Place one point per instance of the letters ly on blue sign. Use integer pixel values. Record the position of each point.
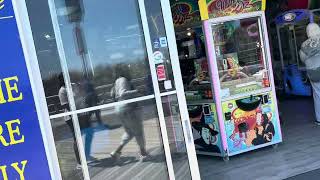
(22, 152)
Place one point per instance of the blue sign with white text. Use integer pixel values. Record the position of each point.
(22, 152)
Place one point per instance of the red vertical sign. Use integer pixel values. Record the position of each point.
(161, 72)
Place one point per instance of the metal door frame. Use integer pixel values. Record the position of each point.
(173, 51)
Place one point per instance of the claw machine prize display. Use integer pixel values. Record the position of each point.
(245, 112)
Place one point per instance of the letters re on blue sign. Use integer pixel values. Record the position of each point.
(22, 152)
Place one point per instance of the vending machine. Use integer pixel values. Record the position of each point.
(243, 113)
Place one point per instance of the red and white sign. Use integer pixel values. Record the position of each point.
(161, 72)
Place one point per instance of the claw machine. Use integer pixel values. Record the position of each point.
(243, 114)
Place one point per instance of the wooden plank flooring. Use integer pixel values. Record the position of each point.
(128, 166)
(299, 153)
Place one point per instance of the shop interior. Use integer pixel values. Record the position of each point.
(298, 151)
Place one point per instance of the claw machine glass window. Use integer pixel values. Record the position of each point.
(239, 55)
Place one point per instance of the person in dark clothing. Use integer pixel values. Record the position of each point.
(92, 99)
(83, 118)
(66, 108)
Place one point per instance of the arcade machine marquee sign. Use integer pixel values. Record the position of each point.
(220, 8)
(22, 152)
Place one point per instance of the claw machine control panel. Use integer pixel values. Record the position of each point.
(244, 99)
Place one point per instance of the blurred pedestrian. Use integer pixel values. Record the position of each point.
(63, 97)
(127, 113)
(310, 55)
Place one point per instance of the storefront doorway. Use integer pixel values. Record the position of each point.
(111, 76)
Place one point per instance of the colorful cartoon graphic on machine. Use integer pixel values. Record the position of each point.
(184, 12)
(205, 128)
(218, 8)
(250, 122)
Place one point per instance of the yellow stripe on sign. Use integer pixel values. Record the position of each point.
(203, 9)
(264, 5)
(1, 4)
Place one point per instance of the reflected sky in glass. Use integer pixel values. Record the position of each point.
(112, 32)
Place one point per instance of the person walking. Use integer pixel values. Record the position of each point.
(83, 118)
(91, 98)
(64, 102)
(127, 113)
(310, 55)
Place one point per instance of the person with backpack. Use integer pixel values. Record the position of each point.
(310, 55)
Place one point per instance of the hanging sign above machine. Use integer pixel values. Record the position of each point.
(185, 12)
(219, 8)
(293, 16)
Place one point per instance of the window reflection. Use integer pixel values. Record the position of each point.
(95, 46)
(67, 149)
(132, 148)
(107, 62)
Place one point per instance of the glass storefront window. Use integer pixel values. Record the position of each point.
(95, 48)
(100, 94)
(67, 148)
(131, 145)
